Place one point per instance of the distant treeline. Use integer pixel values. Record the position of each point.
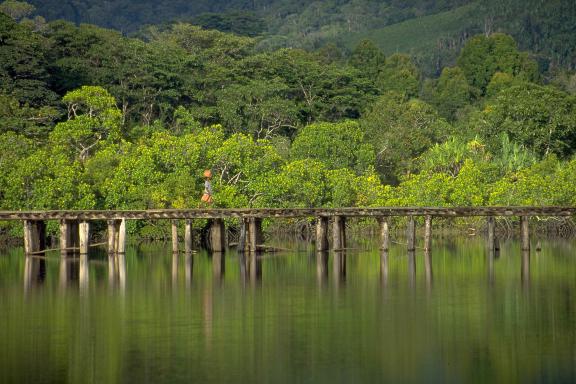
(431, 30)
(90, 119)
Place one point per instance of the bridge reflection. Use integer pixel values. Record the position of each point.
(78, 271)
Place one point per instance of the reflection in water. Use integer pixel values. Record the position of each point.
(117, 271)
(428, 267)
(83, 274)
(322, 267)
(34, 271)
(243, 267)
(182, 335)
(188, 268)
(384, 266)
(339, 267)
(412, 268)
(255, 266)
(490, 262)
(174, 269)
(218, 266)
(525, 265)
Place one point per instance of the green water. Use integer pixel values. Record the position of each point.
(291, 318)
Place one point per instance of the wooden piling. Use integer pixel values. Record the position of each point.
(255, 234)
(111, 237)
(121, 249)
(428, 250)
(64, 238)
(384, 234)
(217, 235)
(34, 236)
(525, 233)
(491, 226)
(411, 234)
(84, 234)
(322, 234)
(69, 237)
(174, 236)
(428, 234)
(339, 233)
(188, 239)
(242, 243)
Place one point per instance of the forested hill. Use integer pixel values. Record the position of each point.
(431, 30)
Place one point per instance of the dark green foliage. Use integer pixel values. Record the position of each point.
(483, 56)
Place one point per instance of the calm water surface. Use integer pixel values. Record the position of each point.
(291, 317)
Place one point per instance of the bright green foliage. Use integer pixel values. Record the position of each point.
(299, 184)
(423, 189)
(542, 119)
(449, 157)
(47, 179)
(483, 56)
(242, 167)
(399, 75)
(92, 117)
(536, 185)
(337, 145)
(472, 185)
(400, 131)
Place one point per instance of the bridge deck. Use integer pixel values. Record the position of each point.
(218, 213)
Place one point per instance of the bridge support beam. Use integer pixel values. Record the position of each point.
(174, 236)
(525, 233)
(34, 236)
(255, 234)
(84, 235)
(217, 235)
(428, 248)
(491, 236)
(384, 234)
(188, 237)
(69, 237)
(321, 234)
(111, 236)
(339, 233)
(411, 234)
(121, 228)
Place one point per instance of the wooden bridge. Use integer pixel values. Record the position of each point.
(75, 225)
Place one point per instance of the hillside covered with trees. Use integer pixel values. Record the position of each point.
(92, 119)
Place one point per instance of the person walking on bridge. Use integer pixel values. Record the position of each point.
(207, 195)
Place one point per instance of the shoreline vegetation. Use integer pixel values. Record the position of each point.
(91, 119)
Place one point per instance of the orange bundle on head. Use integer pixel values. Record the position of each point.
(207, 173)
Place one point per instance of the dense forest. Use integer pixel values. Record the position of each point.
(93, 119)
(431, 31)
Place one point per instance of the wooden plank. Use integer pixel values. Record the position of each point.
(287, 213)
